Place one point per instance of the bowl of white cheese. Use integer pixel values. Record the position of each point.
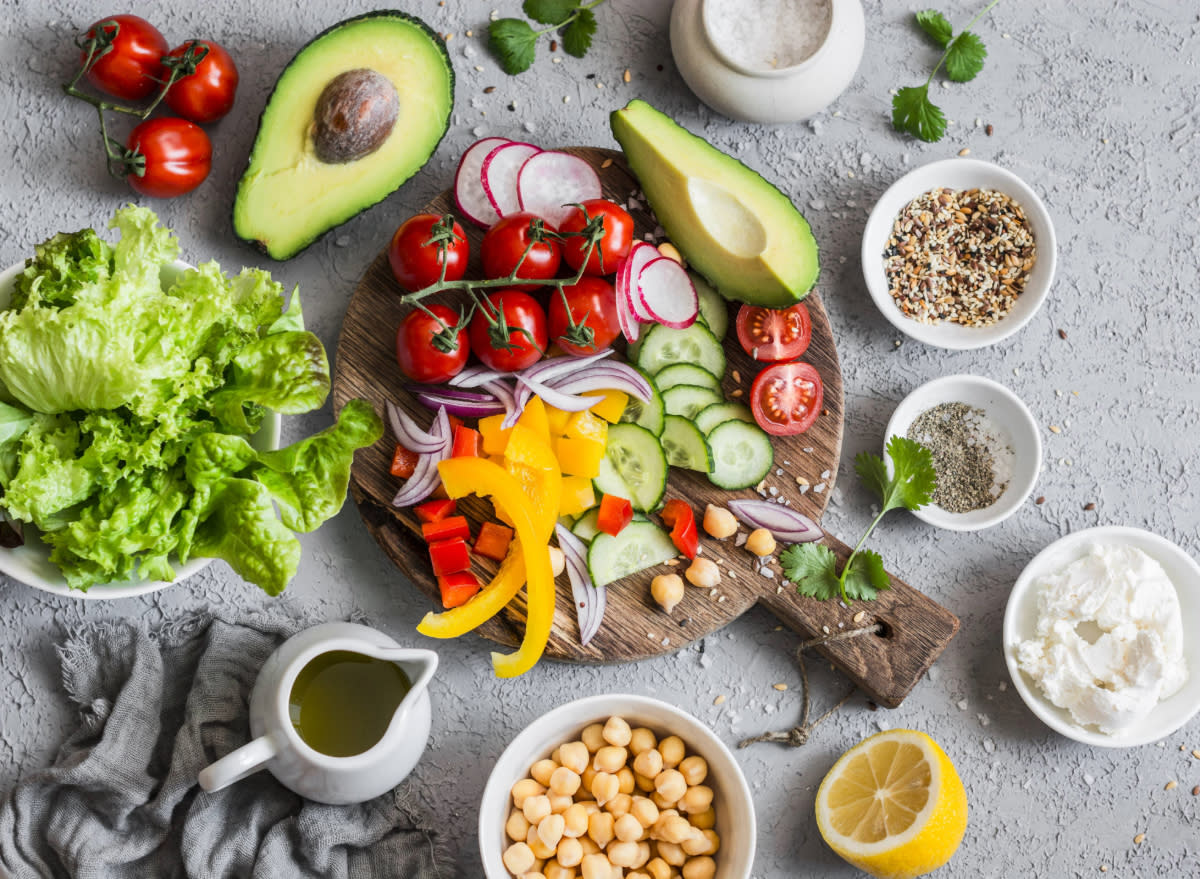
(1102, 636)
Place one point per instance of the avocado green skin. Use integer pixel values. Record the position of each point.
(378, 13)
(729, 278)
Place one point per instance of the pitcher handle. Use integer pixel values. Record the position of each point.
(236, 765)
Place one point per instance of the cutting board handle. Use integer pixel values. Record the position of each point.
(887, 665)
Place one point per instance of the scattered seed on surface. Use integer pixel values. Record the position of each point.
(800, 480)
(737, 377)
(1171, 785)
(858, 617)
(489, 89)
(607, 163)
(965, 151)
(1196, 791)
(736, 392)
(1196, 754)
(1139, 839)
(720, 700)
(672, 562)
(566, 99)
(627, 76)
(1041, 500)
(1054, 428)
(781, 687)
(1089, 507)
(988, 129)
(1062, 334)
(554, 45)
(448, 37)
(825, 629)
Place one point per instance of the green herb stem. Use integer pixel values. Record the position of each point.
(583, 7)
(946, 53)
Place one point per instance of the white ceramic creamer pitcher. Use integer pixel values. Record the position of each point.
(278, 747)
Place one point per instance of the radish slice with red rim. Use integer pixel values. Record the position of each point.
(626, 319)
(667, 293)
(551, 183)
(499, 173)
(640, 256)
(469, 196)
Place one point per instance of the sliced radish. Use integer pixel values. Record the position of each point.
(472, 201)
(498, 175)
(626, 319)
(667, 293)
(551, 183)
(640, 256)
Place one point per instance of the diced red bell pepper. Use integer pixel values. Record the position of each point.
(436, 510)
(685, 536)
(404, 462)
(466, 443)
(455, 423)
(673, 509)
(449, 556)
(446, 529)
(493, 541)
(615, 514)
(458, 588)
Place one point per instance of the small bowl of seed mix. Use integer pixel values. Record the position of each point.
(959, 254)
(985, 446)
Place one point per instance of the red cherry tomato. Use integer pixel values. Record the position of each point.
(507, 240)
(176, 156)
(420, 357)
(774, 334)
(611, 249)
(523, 339)
(414, 253)
(592, 303)
(786, 398)
(206, 94)
(131, 67)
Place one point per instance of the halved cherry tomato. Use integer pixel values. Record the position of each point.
(449, 556)
(420, 339)
(458, 588)
(786, 398)
(415, 254)
(172, 156)
(774, 334)
(404, 462)
(466, 443)
(615, 514)
(446, 529)
(436, 510)
(508, 330)
(493, 540)
(592, 304)
(506, 241)
(206, 94)
(609, 250)
(131, 68)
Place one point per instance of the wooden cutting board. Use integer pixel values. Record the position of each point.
(886, 666)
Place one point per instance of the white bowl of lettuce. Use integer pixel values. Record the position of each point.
(139, 418)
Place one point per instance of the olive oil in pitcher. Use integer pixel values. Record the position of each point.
(342, 702)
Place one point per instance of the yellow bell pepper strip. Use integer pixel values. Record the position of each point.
(578, 496)
(486, 604)
(556, 419)
(532, 462)
(579, 457)
(611, 407)
(585, 425)
(534, 418)
(463, 476)
(495, 436)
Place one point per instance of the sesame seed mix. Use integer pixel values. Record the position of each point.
(959, 255)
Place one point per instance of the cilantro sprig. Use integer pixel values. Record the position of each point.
(514, 41)
(963, 56)
(813, 566)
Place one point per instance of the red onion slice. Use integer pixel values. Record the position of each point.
(552, 183)
(406, 431)
(667, 293)
(551, 368)
(499, 175)
(469, 196)
(476, 376)
(590, 600)
(461, 408)
(425, 476)
(558, 399)
(607, 377)
(783, 522)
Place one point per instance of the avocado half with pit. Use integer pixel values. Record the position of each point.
(358, 111)
(736, 229)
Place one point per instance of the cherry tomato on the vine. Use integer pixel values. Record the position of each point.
(505, 242)
(432, 348)
(508, 330)
(593, 305)
(175, 157)
(415, 256)
(611, 249)
(774, 334)
(787, 397)
(206, 94)
(131, 67)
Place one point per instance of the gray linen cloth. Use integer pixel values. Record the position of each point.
(121, 799)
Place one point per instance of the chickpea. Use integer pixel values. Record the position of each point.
(644, 852)
(667, 590)
(589, 846)
(629, 829)
(619, 805)
(617, 731)
(636, 874)
(697, 844)
(590, 806)
(536, 874)
(719, 522)
(645, 783)
(575, 821)
(539, 848)
(558, 562)
(644, 811)
(518, 858)
(670, 784)
(641, 739)
(658, 869)
(600, 828)
(672, 854)
(541, 771)
(714, 841)
(605, 786)
(550, 830)
(706, 820)
(622, 854)
(700, 868)
(648, 763)
(662, 802)
(675, 828)
(536, 808)
(694, 769)
(517, 826)
(593, 737)
(760, 542)
(596, 866)
(569, 852)
(627, 782)
(524, 789)
(574, 756)
(703, 572)
(585, 786)
(559, 803)
(696, 799)
(557, 871)
(610, 758)
(672, 750)
(564, 781)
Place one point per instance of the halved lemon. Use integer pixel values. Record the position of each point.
(893, 805)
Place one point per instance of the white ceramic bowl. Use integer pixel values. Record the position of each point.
(30, 564)
(959, 174)
(732, 800)
(1020, 624)
(1009, 415)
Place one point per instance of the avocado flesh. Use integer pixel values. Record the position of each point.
(287, 197)
(732, 226)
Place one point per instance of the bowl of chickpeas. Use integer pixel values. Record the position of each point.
(617, 787)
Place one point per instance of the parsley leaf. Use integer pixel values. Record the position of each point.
(935, 25)
(813, 568)
(964, 58)
(577, 36)
(550, 11)
(865, 576)
(914, 113)
(514, 43)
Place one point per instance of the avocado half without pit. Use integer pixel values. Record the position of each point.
(355, 114)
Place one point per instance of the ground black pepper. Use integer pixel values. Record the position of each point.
(956, 436)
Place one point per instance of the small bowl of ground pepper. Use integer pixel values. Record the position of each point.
(985, 446)
(959, 253)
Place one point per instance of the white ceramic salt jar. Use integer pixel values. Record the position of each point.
(767, 61)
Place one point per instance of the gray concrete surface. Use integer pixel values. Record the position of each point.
(1094, 104)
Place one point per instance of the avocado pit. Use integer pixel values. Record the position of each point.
(355, 114)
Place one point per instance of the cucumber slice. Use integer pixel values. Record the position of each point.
(637, 457)
(686, 374)
(609, 481)
(640, 545)
(708, 418)
(648, 415)
(685, 446)
(714, 309)
(742, 455)
(696, 345)
(586, 528)
(688, 400)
